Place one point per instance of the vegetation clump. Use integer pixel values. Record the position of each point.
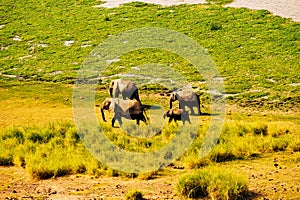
(134, 195)
(213, 182)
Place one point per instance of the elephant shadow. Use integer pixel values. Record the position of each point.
(153, 107)
(206, 114)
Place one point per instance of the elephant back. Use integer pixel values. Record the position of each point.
(186, 95)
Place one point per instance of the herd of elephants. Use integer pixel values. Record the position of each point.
(130, 106)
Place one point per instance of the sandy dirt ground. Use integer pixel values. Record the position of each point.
(283, 8)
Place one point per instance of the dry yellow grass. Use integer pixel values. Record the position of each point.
(23, 112)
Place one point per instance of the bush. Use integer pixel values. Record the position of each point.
(214, 182)
(260, 129)
(6, 160)
(193, 185)
(14, 133)
(134, 195)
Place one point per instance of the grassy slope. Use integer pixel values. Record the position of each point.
(257, 53)
(252, 49)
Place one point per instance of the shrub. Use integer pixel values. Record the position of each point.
(295, 144)
(134, 195)
(6, 160)
(222, 152)
(14, 133)
(193, 185)
(214, 182)
(35, 137)
(148, 175)
(260, 129)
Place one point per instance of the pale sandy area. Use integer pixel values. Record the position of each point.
(283, 8)
(116, 3)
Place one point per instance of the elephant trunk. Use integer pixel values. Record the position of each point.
(102, 112)
(171, 103)
(111, 92)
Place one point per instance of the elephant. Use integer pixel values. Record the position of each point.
(186, 98)
(127, 89)
(177, 114)
(129, 109)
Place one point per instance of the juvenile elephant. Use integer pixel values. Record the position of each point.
(186, 98)
(177, 114)
(127, 89)
(129, 109)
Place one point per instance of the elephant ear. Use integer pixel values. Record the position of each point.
(112, 106)
(135, 107)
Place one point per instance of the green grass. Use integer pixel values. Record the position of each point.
(253, 50)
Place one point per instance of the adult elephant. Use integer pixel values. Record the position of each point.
(129, 109)
(186, 98)
(127, 89)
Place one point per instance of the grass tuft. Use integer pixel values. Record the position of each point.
(214, 182)
(134, 195)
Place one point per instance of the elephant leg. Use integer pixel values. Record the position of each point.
(192, 110)
(182, 106)
(120, 121)
(199, 111)
(175, 120)
(113, 121)
(136, 96)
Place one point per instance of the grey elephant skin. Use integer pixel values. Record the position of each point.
(186, 98)
(177, 115)
(129, 109)
(127, 89)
